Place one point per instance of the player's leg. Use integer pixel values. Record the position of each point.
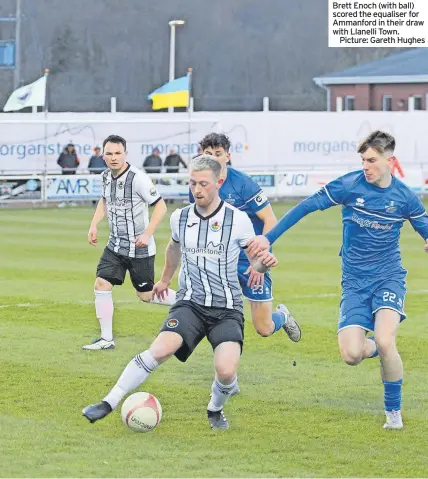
(226, 335)
(388, 310)
(354, 346)
(142, 273)
(355, 320)
(264, 320)
(261, 316)
(179, 335)
(110, 271)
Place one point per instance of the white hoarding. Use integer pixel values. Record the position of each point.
(260, 140)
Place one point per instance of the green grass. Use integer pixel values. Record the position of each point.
(320, 418)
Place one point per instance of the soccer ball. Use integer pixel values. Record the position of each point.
(141, 412)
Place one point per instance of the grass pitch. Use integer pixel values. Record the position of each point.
(320, 418)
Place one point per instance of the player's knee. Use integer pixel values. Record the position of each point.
(264, 330)
(165, 345)
(385, 345)
(225, 374)
(146, 297)
(102, 285)
(352, 357)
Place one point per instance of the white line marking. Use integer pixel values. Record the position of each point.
(130, 301)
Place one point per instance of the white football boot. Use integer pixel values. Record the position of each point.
(100, 344)
(393, 420)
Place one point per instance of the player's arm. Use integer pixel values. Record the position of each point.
(257, 204)
(418, 218)
(331, 195)
(159, 211)
(172, 259)
(265, 260)
(268, 217)
(99, 214)
(149, 193)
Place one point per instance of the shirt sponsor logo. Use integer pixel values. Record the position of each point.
(210, 251)
(369, 223)
(121, 202)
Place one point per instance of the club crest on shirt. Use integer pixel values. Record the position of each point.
(359, 202)
(229, 199)
(390, 207)
(120, 185)
(215, 226)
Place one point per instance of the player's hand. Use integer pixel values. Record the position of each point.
(426, 246)
(255, 279)
(92, 236)
(160, 289)
(267, 259)
(257, 245)
(142, 240)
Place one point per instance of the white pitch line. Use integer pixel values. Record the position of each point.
(37, 305)
(126, 301)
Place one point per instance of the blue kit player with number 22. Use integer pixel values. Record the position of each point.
(240, 191)
(374, 207)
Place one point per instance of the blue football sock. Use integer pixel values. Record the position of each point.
(376, 353)
(392, 395)
(279, 320)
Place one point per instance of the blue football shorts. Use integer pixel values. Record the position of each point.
(363, 297)
(258, 293)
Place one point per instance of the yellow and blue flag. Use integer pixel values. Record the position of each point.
(173, 93)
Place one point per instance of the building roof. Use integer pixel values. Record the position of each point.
(410, 66)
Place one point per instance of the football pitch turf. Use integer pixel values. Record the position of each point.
(319, 418)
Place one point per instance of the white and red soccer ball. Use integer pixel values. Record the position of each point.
(141, 412)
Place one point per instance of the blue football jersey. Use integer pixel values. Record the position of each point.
(242, 192)
(372, 219)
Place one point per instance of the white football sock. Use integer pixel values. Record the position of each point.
(104, 309)
(220, 393)
(135, 373)
(169, 298)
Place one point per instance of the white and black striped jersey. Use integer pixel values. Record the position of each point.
(210, 248)
(127, 199)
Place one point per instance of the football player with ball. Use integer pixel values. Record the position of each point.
(208, 237)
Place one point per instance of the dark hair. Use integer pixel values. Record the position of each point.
(115, 139)
(379, 141)
(215, 140)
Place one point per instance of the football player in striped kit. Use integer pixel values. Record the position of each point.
(127, 193)
(207, 236)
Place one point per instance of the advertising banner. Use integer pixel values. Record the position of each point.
(20, 188)
(259, 140)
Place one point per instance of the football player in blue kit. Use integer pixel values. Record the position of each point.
(374, 207)
(243, 193)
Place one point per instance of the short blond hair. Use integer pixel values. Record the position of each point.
(206, 162)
